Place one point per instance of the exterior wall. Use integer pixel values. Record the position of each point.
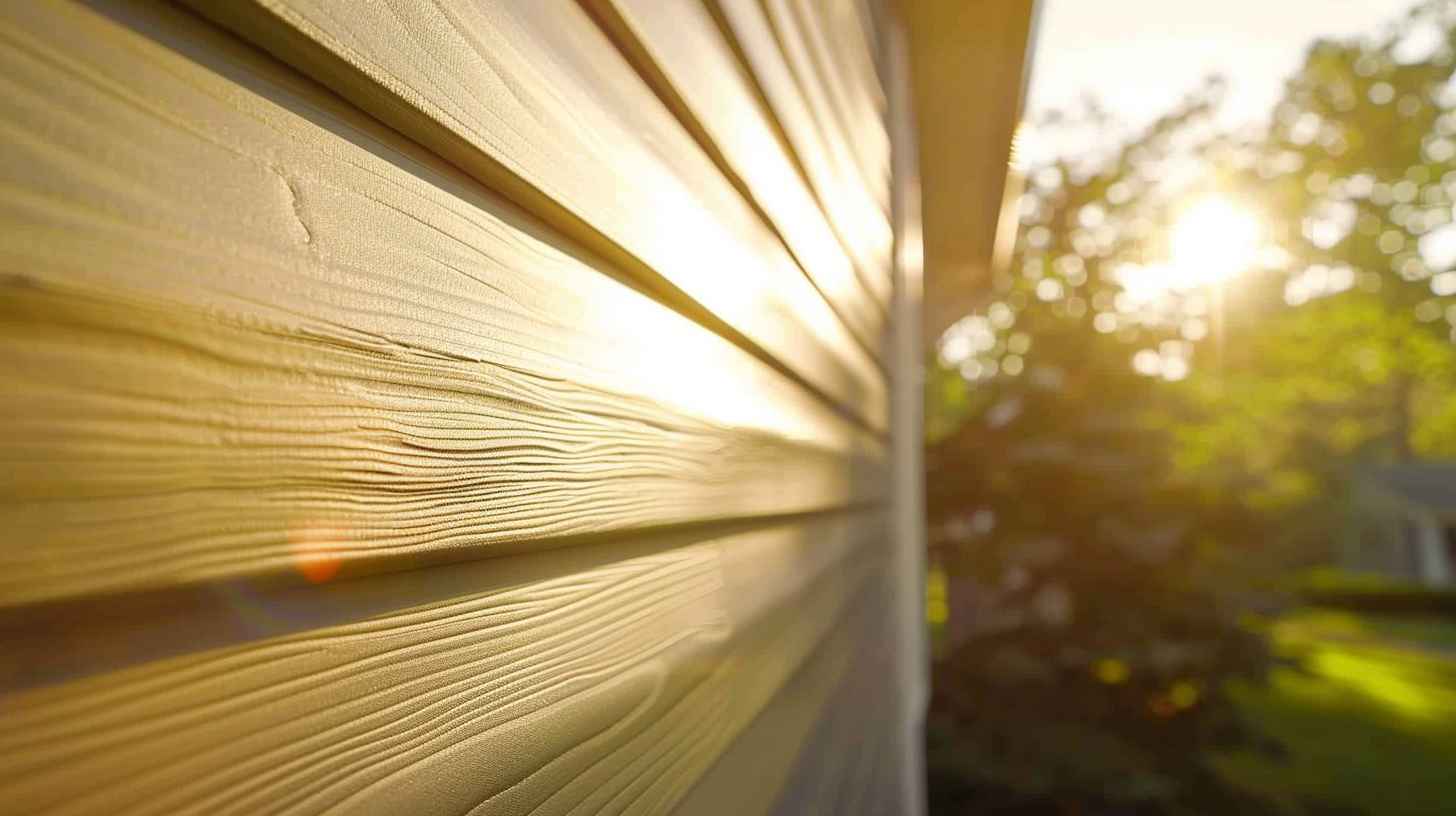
(1431, 555)
(1376, 534)
(484, 407)
(1387, 535)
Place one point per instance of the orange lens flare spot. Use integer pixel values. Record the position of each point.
(1162, 706)
(317, 551)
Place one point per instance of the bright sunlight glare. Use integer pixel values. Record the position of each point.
(1212, 242)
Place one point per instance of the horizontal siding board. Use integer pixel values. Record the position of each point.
(848, 59)
(79, 637)
(609, 690)
(857, 211)
(682, 47)
(852, 23)
(248, 332)
(851, 101)
(820, 745)
(848, 765)
(801, 36)
(536, 101)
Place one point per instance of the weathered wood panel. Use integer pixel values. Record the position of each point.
(535, 100)
(248, 331)
(681, 50)
(858, 211)
(610, 690)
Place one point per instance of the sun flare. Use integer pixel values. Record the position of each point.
(1212, 242)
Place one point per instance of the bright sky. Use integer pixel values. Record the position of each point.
(1141, 56)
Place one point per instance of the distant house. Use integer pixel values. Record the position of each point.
(1403, 523)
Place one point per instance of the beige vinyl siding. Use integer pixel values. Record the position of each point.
(858, 213)
(608, 690)
(377, 359)
(697, 68)
(840, 97)
(535, 100)
(441, 408)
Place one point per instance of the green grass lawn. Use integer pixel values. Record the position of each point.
(1369, 721)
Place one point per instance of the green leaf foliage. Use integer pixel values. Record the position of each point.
(1118, 479)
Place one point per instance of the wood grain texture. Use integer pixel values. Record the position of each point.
(533, 99)
(498, 457)
(682, 53)
(249, 332)
(610, 690)
(46, 644)
(857, 208)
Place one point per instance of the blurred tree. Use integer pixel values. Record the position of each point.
(1118, 456)
(1095, 675)
(1354, 361)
